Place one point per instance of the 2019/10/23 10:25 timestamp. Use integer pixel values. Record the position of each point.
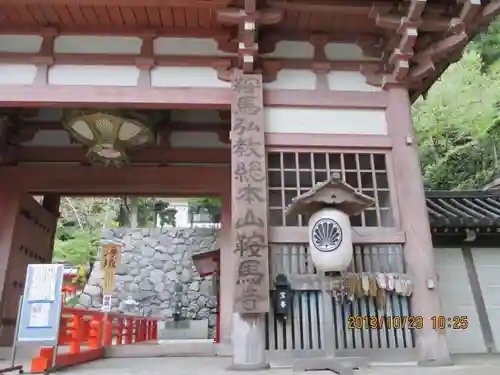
(407, 322)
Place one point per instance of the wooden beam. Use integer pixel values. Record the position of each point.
(470, 10)
(130, 180)
(390, 22)
(172, 126)
(134, 31)
(215, 33)
(177, 98)
(89, 96)
(491, 10)
(153, 155)
(354, 7)
(124, 3)
(416, 9)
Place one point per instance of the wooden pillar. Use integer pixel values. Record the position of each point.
(249, 222)
(51, 203)
(5, 126)
(418, 249)
(10, 203)
(226, 286)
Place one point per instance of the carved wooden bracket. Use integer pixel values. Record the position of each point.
(46, 53)
(319, 42)
(223, 136)
(45, 57)
(146, 58)
(490, 11)
(268, 69)
(372, 47)
(234, 16)
(224, 70)
(248, 19)
(225, 115)
(469, 10)
(402, 67)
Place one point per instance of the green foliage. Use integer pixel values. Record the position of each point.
(144, 212)
(80, 249)
(72, 301)
(458, 125)
(165, 213)
(488, 44)
(210, 205)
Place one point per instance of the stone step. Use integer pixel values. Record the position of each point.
(164, 348)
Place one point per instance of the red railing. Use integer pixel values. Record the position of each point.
(84, 334)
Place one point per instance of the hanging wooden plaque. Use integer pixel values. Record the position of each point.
(249, 195)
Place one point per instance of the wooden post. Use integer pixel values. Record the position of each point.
(418, 249)
(9, 257)
(249, 222)
(129, 331)
(119, 329)
(5, 126)
(51, 203)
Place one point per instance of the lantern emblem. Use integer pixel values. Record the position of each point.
(327, 235)
(329, 205)
(109, 134)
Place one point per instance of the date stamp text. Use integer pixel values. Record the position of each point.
(439, 322)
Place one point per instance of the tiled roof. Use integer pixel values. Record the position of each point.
(469, 209)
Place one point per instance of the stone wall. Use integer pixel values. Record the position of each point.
(154, 262)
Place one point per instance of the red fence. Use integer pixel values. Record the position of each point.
(84, 334)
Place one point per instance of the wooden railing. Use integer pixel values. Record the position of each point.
(84, 334)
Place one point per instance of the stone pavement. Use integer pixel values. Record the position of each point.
(480, 364)
(464, 365)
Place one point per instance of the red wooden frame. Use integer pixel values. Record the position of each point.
(178, 98)
(180, 181)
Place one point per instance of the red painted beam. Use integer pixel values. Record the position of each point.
(89, 96)
(178, 98)
(123, 3)
(155, 154)
(180, 181)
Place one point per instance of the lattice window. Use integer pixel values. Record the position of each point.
(294, 173)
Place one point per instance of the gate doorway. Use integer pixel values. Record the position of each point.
(188, 157)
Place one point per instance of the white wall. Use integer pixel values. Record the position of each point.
(457, 300)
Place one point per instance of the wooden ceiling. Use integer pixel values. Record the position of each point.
(298, 15)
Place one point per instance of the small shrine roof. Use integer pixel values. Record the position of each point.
(332, 192)
(463, 209)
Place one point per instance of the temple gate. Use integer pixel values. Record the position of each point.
(252, 96)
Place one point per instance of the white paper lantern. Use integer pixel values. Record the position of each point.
(330, 240)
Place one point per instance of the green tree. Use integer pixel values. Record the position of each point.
(144, 213)
(80, 249)
(79, 227)
(488, 44)
(457, 126)
(212, 206)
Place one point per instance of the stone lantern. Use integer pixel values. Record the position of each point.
(328, 206)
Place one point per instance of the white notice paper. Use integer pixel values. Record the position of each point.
(43, 283)
(106, 303)
(39, 315)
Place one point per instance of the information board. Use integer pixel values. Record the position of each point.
(41, 305)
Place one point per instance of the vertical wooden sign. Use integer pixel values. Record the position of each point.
(249, 195)
(110, 259)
